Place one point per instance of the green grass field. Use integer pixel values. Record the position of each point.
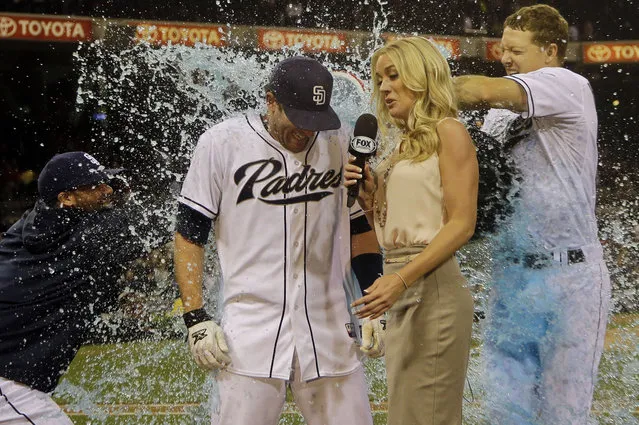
(157, 383)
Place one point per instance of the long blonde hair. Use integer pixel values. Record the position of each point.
(424, 71)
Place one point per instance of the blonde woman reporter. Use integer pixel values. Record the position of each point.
(422, 201)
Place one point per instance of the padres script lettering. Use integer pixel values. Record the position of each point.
(265, 171)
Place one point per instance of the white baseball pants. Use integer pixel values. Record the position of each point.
(246, 400)
(544, 340)
(21, 405)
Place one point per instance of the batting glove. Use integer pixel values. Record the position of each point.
(206, 341)
(373, 333)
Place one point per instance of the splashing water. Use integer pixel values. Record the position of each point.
(159, 100)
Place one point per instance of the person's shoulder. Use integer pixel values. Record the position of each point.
(557, 72)
(452, 132)
(229, 125)
(449, 125)
(228, 131)
(562, 79)
(571, 75)
(238, 122)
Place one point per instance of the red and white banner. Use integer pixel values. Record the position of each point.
(188, 35)
(493, 50)
(611, 52)
(276, 39)
(451, 46)
(33, 27)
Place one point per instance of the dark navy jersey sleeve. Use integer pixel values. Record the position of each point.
(54, 284)
(110, 237)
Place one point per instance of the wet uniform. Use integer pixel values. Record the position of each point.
(58, 272)
(551, 293)
(282, 233)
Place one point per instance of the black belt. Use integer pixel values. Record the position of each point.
(540, 260)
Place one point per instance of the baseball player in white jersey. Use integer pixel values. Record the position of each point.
(273, 186)
(551, 289)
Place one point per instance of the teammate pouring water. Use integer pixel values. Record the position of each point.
(58, 270)
(551, 292)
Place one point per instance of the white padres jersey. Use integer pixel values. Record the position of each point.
(282, 231)
(556, 154)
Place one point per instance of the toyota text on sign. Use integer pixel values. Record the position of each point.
(611, 52)
(310, 41)
(46, 29)
(176, 34)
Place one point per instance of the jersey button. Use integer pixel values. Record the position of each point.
(296, 210)
(295, 276)
(296, 244)
(297, 163)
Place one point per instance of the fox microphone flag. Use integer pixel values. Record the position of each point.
(362, 145)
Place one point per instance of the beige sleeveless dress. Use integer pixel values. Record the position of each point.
(429, 326)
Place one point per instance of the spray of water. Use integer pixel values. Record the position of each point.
(159, 100)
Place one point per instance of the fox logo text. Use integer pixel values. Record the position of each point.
(363, 145)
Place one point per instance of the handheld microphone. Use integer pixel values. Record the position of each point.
(362, 145)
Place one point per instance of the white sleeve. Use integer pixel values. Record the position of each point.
(551, 92)
(497, 122)
(202, 186)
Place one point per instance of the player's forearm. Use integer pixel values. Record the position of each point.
(470, 91)
(189, 271)
(477, 91)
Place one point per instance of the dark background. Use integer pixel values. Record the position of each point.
(592, 20)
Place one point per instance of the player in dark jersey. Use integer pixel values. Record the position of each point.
(58, 269)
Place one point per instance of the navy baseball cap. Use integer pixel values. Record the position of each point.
(303, 87)
(70, 170)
